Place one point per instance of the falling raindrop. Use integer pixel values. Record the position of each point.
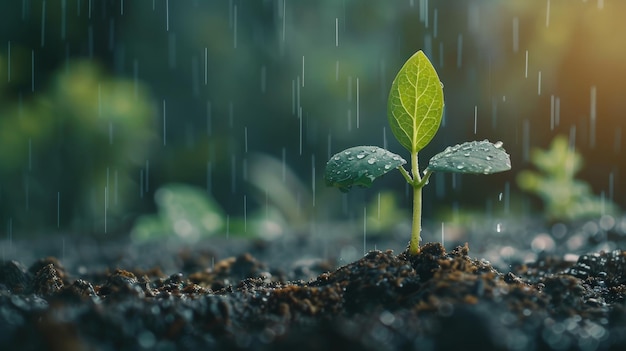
(167, 14)
(443, 235)
(435, 23)
(284, 164)
(313, 177)
(592, 118)
(300, 130)
(526, 66)
(539, 83)
(115, 188)
(357, 103)
(106, 193)
(336, 31)
(283, 16)
(235, 27)
(43, 22)
(548, 14)
(164, 125)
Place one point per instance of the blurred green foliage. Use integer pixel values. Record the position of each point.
(67, 152)
(185, 211)
(189, 214)
(384, 213)
(564, 197)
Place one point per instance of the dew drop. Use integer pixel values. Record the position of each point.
(371, 161)
(488, 158)
(498, 144)
(347, 152)
(460, 166)
(466, 154)
(360, 156)
(387, 166)
(337, 158)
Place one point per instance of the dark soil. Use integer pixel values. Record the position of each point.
(436, 300)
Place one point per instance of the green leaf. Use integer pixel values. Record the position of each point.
(360, 165)
(476, 157)
(415, 104)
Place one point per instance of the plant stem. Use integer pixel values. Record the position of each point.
(416, 229)
(414, 246)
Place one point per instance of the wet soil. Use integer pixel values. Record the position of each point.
(436, 300)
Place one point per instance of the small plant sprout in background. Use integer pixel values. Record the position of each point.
(564, 197)
(414, 109)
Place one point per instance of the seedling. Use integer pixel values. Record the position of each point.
(414, 110)
(564, 196)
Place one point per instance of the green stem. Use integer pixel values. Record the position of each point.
(406, 176)
(414, 246)
(417, 184)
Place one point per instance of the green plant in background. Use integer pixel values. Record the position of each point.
(384, 213)
(564, 197)
(414, 110)
(184, 211)
(69, 153)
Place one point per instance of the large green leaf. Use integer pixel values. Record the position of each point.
(415, 104)
(360, 165)
(476, 157)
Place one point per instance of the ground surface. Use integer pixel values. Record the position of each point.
(245, 295)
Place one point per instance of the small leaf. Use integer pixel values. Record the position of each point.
(476, 157)
(415, 104)
(360, 165)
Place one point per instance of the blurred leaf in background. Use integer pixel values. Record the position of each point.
(184, 211)
(564, 197)
(66, 154)
(384, 213)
